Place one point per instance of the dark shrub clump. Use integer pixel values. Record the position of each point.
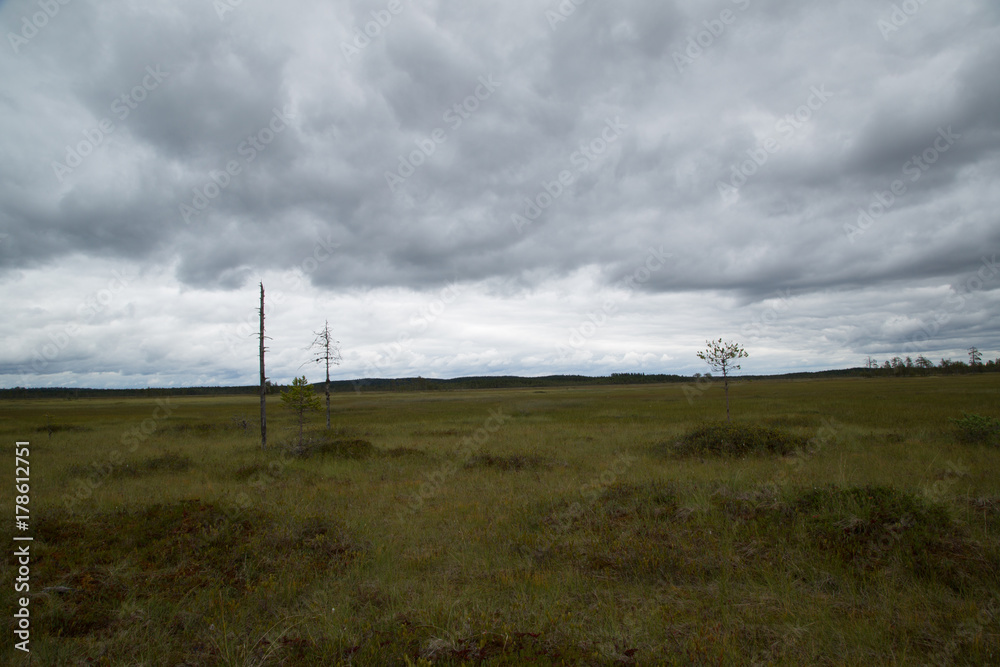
(728, 439)
(340, 449)
(976, 429)
(513, 462)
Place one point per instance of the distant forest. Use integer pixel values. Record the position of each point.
(900, 369)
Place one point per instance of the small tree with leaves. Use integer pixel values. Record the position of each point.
(327, 352)
(722, 356)
(301, 398)
(975, 357)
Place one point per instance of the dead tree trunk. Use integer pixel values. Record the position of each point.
(327, 389)
(326, 331)
(329, 353)
(263, 377)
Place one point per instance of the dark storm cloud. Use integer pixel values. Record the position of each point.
(513, 147)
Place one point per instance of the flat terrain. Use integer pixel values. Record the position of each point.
(552, 526)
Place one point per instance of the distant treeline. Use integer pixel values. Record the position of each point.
(362, 385)
(923, 366)
(498, 382)
(485, 382)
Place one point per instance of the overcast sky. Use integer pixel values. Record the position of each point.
(527, 187)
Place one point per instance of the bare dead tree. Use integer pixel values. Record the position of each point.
(263, 377)
(328, 352)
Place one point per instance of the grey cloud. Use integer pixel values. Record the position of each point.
(657, 184)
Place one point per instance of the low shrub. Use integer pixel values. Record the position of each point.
(163, 553)
(876, 528)
(506, 463)
(255, 469)
(195, 428)
(664, 531)
(733, 439)
(398, 452)
(976, 429)
(341, 449)
(168, 462)
(59, 428)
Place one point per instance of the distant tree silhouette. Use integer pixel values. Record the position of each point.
(924, 364)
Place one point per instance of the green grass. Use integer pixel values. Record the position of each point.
(837, 521)
(978, 429)
(728, 439)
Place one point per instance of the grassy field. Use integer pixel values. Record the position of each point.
(557, 526)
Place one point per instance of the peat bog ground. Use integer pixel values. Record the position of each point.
(835, 521)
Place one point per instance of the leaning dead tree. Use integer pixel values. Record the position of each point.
(328, 352)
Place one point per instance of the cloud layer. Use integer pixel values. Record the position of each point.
(520, 188)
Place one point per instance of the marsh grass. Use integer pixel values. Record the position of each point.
(733, 439)
(339, 444)
(357, 448)
(168, 462)
(875, 545)
(508, 462)
(60, 428)
(977, 429)
(656, 532)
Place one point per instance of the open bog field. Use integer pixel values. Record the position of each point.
(556, 526)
